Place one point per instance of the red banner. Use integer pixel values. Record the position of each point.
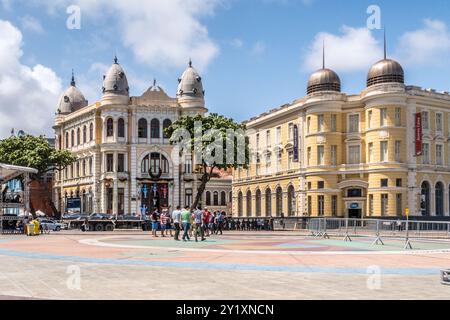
(419, 150)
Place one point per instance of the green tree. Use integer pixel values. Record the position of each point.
(35, 152)
(216, 142)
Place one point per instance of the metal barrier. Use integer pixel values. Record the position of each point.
(349, 228)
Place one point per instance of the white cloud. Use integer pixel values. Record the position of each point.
(32, 24)
(354, 50)
(28, 95)
(163, 34)
(429, 45)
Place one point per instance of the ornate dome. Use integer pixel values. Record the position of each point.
(385, 71)
(72, 99)
(190, 84)
(324, 80)
(115, 81)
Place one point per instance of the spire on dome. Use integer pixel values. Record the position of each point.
(73, 83)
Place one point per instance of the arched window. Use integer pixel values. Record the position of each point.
(291, 201)
(216, 198)
(84, 134)
(67, 140)
(249, 203)
(439, 193)
(258, 203)
(72, 138)
(240, 204)
(90, 166)
(78, 136)
(279, 203)
(84, 168)
(91, 132)
(121, 128)
(153, 162)
(223, 198)
(208, 198)
(154, 129)
(142, 128)
(425, 199)
(109, 127)
(166, 124)
(268, 203)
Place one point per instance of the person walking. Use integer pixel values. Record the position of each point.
(220, 217)
(176, 218)
(155, 222)
(163, 223)
(206, 217)
(185, 221)
(198, 221)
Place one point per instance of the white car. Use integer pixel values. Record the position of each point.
(53, 225)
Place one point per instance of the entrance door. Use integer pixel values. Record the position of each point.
(155, 195)
(355, 213)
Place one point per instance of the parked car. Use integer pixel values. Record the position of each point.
(53, 225)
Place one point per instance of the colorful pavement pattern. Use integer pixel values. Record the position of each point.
(236, 265)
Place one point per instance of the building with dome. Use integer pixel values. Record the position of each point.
(125, 162)
(371, 154)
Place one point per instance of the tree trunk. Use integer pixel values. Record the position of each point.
(201, 189)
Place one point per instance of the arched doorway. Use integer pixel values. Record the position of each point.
(291, 201)
(439, 197)
(258, 203)
(240, 206)
(249, 203)
(279, 202)
(425, 199)
(268, 203)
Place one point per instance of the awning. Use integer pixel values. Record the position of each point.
(8, 172)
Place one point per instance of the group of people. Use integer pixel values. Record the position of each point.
(196, 223)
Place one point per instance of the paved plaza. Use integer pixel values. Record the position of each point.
(238, 265)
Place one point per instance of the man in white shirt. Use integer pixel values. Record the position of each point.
(176, 216)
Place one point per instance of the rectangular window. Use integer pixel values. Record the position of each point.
(188, 164)
(308, 125)
(398, 150)
(370, 152)
(399, 205)
(279, 160)
(109, 200)
(291, 131)
(257, 141)
(369, 119)
(320, 155)
(398, 117)
(370, 204)
(383, 151)
(121, 201)
(109, 162)
(268, 142)
(425, 121)
(426, 153)
(334, 207)
(308, 155)
(383, 117)
(320, 185)
(258, 164)
(320, 125)
(333, 123)
(354, 154)
(309, 185)
(333, 155)
(278, 136)
(188, 197)
(398, 183)
(384, 183)
(290, 160)
(439, 155)
(439, 122)
(353, 123)
(268, 163)
(321, 205)
(120, 162)
(309, 206)
(384, 204)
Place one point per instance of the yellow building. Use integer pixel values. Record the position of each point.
(356, 153)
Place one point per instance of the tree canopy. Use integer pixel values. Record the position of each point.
(34, 152)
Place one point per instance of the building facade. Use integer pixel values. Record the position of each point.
(333, 154)
(126, 164)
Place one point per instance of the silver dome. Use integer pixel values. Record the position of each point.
(324, 80)
(72, 99)
(115, 80)
(385, 71)
(190, 84)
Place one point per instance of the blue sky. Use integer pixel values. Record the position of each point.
(254, 55)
